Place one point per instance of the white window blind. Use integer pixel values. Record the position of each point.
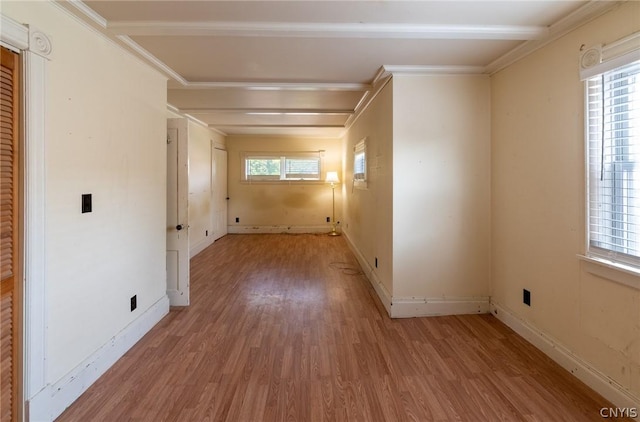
(302, 168)
(360, 164)
(613, 138)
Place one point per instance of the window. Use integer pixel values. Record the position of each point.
(360, 164)
(282, 166)
(613, 143)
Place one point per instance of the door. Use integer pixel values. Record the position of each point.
(219, 183)
(177, 212)
(10, 239)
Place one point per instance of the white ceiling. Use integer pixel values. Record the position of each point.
(306, 67)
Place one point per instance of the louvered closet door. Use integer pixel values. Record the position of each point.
(9, 235)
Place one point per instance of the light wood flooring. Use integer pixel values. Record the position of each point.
(286, 328)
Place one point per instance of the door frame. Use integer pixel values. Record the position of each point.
(34, 47)
(215, 155)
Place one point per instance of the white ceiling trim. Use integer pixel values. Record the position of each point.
(433, 70)
(87, 12)
(328, 30)
(262, 125)
(158, 64)
(270, 111)
(279, 86)
(584, 14)
(195, 120)
(380, 81)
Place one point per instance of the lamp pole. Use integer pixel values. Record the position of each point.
(332, 177)
(333, 215)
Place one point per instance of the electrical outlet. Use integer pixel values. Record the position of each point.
(237, 219)
(134, 302)
(526, 297)
(328, 219)
(206, 232)
(86, 203)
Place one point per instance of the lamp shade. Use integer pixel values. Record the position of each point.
(332, 177)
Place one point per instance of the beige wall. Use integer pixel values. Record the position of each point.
(279, 207)
(106, 135)
(368, 212)
(538, 206)
(441, 186)
(202, 141)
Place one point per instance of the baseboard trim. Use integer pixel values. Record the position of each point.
(200, 246)
(417, 306)
(421, 307)
(277, 229)
(370, 274)
(596, 380)
(52, 400)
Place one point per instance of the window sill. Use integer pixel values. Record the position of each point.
(613, 271)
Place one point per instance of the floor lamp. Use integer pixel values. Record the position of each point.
(332, 177)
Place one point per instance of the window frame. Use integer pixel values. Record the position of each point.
(282, 157)
(591, 74)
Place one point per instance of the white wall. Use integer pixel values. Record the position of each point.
(105, 135)
(538, 203)
(202, 141)
(280, 207)
(368, 212)
(441, 186)
(425, 215)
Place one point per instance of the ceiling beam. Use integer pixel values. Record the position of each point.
(269, 111)
(262, 125)
(329, 30)
(279, 86)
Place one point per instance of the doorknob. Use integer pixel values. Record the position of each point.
(179, 227)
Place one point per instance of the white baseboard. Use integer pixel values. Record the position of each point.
(52, 400)
(277, 229)
(370, 274)
(200, 246)
(420, 307)
(596, 380)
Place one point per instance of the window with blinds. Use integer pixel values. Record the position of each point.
(360, 164)
(284, 167)
(613, 142)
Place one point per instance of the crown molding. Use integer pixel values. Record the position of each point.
(85, 16)
(94, 18)
(150, 58)
(328, 30)
(381, 79)
(386, 72)
(584, 14)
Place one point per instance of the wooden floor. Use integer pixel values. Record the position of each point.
(286, 328)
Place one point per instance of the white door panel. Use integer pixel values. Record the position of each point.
(177, 213)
